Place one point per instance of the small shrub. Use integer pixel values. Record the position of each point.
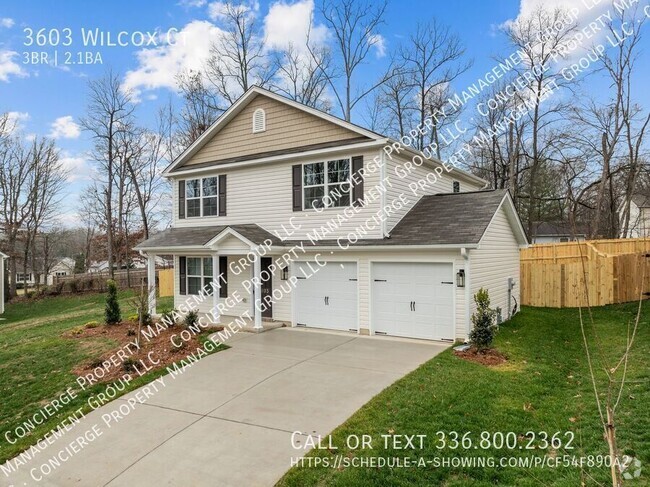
(167, 317)
(29, 294)
(146, 318)
(133, 318)
(482, 333)
(130, 332)
(128, 365)
(91, 324)
(191, 318)
(112, 311)
(177, 347)
(77, 330)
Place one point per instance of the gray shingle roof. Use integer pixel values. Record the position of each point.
(199, 236)
(441, 219)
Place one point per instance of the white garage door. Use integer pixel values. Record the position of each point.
(326, 297)
(413, 300)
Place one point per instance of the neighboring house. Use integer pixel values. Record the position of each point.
(549, 232)
(98, 267)
(639, 216)
(3, 258)
(63, 267)
(27, 278)
(161, 262)
(271, 174)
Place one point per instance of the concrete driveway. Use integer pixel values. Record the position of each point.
(228, 419)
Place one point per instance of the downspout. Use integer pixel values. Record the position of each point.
(382, 199)
(468, 289)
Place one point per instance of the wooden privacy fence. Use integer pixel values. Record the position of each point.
(96, 281)
(615, 271)
(166, 282)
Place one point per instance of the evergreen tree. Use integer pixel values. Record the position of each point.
(112, 312)
(482, 333)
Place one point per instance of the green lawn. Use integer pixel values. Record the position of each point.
(544, 387)
(35, 360)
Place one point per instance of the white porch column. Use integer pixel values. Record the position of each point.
(151, 282)
(257, 282)
(216, 288)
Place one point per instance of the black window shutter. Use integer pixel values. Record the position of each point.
(182, 272)
(223, 271)
(222, 195)
(181, 199)
(357, 181)
(297, 187)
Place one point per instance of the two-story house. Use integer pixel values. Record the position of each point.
(353, 232)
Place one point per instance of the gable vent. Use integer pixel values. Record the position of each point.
(259, 121)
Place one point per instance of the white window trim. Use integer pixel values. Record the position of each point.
(255, 129)
(202, 276)
(200, 197)
(326, 183)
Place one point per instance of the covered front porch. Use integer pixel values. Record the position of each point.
(228, 277)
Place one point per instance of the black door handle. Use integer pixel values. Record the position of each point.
(413, 305)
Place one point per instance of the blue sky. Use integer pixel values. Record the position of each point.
(41, 95)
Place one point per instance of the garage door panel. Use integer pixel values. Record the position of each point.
(327, 298)
(413, 299)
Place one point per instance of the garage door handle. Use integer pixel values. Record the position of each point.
(380, 280)
(446, 282)
(413, 305)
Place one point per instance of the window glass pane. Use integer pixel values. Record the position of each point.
(193, 266)
(194, 207)
(338, 171)
(313, 174)
(339, 194)
(210, 187)
(193, 285)
(207, 266)
(210, 206)
(192, 188)
(206, 285)
(314, 197)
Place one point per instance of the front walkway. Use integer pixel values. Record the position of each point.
(228, 420)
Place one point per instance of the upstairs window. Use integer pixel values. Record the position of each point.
(326, 184)
(259, 121)
(202, 197)
(456, 187)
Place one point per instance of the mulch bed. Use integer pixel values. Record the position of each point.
(489, 357)
(124, 333)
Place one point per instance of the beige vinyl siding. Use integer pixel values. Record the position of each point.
(262, 194)
(405, 180)
(496, 259)
(286, 128)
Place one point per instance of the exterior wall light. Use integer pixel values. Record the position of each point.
(285, 273)
(460, 278)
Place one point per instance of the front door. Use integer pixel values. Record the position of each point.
(267, 287)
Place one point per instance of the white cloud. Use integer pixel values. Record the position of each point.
(65, 127)
(288, 24)
(379, 43)
(9, 67)
(159, 66)
(16, 120)
(192, 3)
(77, 167)
(7, 22)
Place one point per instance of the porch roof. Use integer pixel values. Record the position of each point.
(198, 237)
